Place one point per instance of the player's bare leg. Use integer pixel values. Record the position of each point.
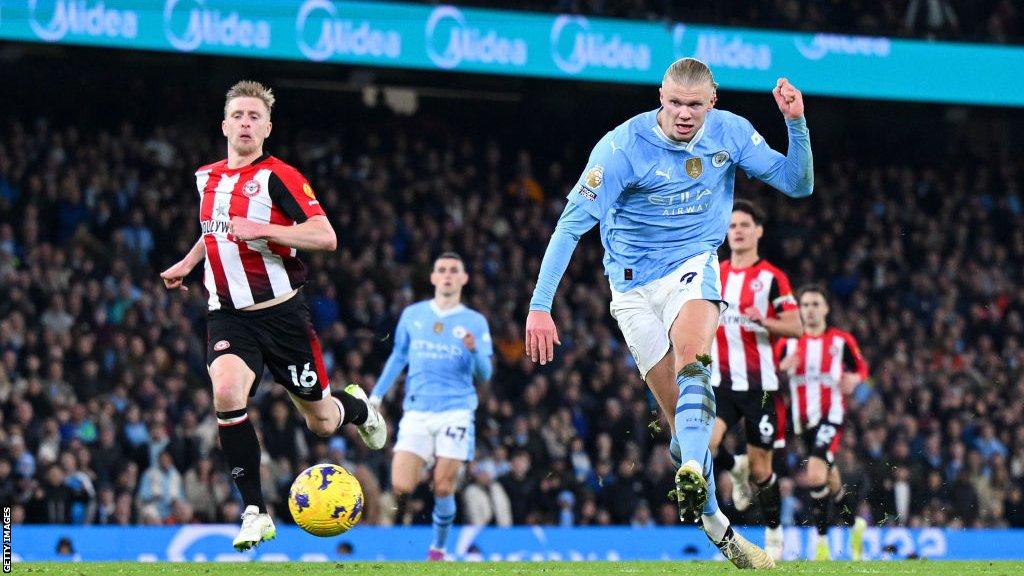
(717, 435)
(817, 479)
(694, 412)
(446, 476)
(323, 417)
(691, 335)
(661, 379)
(232, 379)
(326, 415)
(406, 472)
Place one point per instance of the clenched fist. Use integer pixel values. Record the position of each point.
(789, 99)
(244, 229)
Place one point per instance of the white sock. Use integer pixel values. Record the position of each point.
(341, 410)
(715, 525)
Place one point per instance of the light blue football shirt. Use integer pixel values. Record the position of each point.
(441, 369)
(660, 202)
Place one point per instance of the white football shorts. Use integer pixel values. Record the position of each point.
(645, 314)
(450, 434)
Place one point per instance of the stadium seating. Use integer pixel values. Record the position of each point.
(102, 370)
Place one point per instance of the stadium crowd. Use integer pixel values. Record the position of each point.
(997, 21)
(105, 411)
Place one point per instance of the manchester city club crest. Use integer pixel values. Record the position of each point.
(459, 332)
(719, 159)
(694, 167)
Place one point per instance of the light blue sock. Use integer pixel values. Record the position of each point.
(695, 411)
(695, 419)
(444, 515)
(711, 506)
(674, 453)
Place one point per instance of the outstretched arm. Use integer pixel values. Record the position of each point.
(855, 368)
(175, 275)
(572, 224)
(397, 361)
(480, 356)
(792, 174)
(292, 193)
(786, 325)
(541, 335)
(392, 368)
(609, 172)
(313, 234)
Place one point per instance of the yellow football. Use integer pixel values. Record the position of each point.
(325, 500)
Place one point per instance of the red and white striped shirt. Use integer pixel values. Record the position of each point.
(240, 274)
(814, 384)
(742, 350)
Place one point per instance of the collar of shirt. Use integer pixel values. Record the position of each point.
(673, 144)
(442, 313)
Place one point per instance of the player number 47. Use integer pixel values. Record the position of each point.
(455, 432)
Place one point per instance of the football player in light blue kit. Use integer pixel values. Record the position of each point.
(446, 347)
(661, 187)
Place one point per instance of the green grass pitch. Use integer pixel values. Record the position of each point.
(909, 568)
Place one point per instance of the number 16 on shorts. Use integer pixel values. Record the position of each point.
(306, 379)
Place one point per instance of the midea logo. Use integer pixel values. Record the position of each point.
(78, 17)
(724, 48)
(210, 27)
(467, 43)
(594, 50)
(822, 45)
(342, 36)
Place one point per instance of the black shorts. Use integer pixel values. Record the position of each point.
(281, 338)
(823, 440)
(756, 408)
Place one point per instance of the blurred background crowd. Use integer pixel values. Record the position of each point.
(916, 226)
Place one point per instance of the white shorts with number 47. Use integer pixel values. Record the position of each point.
(450, 434)
(645, 314)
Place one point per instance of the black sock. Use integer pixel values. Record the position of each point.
(845, 506)
(401, 507)
(780, 464)
(729, 534)
(724, 460)
(242, 450)
(819, 508)
(355, 409)
(770, 501)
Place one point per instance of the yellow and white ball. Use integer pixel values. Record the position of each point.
(326, 500)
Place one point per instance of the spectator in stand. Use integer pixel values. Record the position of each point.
(159, 487)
